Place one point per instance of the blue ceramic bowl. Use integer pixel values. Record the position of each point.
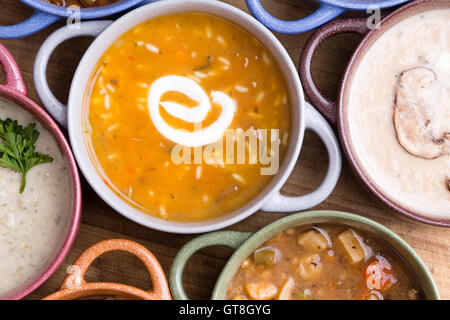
(327, 11)
(46, 13)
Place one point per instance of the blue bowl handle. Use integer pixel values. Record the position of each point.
(322, 15)
(38, 21)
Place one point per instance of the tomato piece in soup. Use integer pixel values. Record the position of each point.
(379, 274)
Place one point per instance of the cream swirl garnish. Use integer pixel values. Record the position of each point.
(193, 115)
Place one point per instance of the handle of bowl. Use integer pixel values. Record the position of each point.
(38, 21)
(56, 108)
(317, 123)
(75, 277)
(13, 76)
(231, 239)
(326, 106)
(322, 15)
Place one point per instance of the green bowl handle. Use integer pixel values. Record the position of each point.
(231, 239)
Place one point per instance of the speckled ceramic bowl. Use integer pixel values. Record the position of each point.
(336, 111)
(75, 287)
(14, 91)
(303, 115)
(246, 243)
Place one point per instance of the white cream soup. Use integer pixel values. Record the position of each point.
(32, 224)
(407, 163)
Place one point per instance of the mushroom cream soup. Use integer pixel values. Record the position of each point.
(399, 113)
(181, 113)
(32, 223)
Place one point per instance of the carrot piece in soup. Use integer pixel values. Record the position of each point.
(379, 274)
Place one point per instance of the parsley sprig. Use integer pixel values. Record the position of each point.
(17, 149)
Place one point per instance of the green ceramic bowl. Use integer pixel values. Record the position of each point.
(245, 243)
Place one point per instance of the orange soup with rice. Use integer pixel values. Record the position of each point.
(165, 94)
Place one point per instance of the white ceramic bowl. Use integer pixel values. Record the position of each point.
(303, 115)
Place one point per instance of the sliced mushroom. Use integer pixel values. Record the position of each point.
(416, 114)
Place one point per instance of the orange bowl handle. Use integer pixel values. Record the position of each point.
(75, 276)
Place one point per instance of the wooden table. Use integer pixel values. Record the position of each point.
(101, 222)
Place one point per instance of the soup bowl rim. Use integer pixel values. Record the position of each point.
(336, 111)
(20, 99)
(125, 23)
(375, 229)
(368, 41)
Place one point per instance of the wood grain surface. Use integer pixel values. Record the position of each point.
(101, 222)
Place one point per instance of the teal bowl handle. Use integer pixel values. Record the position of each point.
(231, 239)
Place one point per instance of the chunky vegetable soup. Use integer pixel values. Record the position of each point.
(324, 262)
(83, 3)
(164, 103)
